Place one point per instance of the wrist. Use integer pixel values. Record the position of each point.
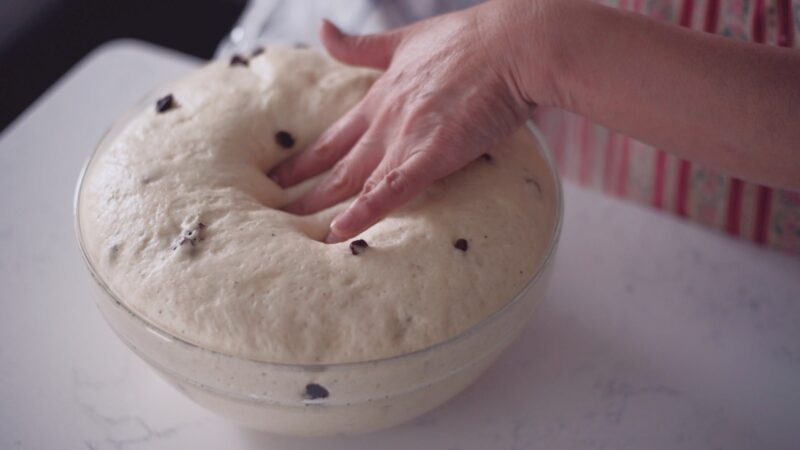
(539, 47)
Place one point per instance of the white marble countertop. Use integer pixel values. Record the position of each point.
(656, 333)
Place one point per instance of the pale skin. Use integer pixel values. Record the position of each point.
(457, 83)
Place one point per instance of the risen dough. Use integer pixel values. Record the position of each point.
(180, 221)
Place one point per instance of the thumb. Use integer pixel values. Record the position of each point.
(371, 50)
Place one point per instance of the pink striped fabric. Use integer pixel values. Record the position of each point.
(603, 159)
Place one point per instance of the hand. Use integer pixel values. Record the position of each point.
(449, 92)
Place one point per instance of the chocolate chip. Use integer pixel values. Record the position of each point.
(461, 244)
(300, 45)
(257, 51)
(486, 157)
(315, 391)
(358, 247)
(284, 139)
(165, 103)
(238, 60)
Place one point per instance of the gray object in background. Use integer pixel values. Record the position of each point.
(292, 22)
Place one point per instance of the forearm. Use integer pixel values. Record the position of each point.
(721, 102)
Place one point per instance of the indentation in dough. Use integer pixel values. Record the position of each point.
(532, 181)
(113, 252)
(149, 177)
(314, 227)
(397, 325)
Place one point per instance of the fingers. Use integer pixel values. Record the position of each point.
(322, 154)
(345, 180)
(394, 189)
(373, 50)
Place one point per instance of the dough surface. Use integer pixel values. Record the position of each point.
(179, 219)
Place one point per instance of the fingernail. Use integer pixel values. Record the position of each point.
(335, 223)
(333, 238)
(348, 222)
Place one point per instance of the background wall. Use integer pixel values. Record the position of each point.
(41, 39)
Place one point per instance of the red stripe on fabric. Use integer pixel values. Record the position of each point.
(785, 27)
(684, 167)
(736, 186)
(609, 159)
(759, 33)
(764, 194)
(622, 175)
(763, 205)
(733, 216)
(625, 149)
(785, 39)
(734, 206)
(658, 183)
(561, 136)
(586, 144)
(686, 13)
(712, 16)
(759, 30)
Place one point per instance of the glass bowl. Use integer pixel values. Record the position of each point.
(362, 396)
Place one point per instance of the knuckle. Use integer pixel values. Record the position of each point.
(397, 182)
(369, 185)
(370, 204)
(370, 142)
(392, 107)
(365, 42)
(341, 178)
(360, 42)
(445, 134)
(443, 154)
(397, 76)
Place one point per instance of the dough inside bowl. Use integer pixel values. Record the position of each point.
(180, 221)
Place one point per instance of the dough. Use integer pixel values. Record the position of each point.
(179, 219)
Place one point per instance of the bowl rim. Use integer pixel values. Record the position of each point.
(165, 335)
